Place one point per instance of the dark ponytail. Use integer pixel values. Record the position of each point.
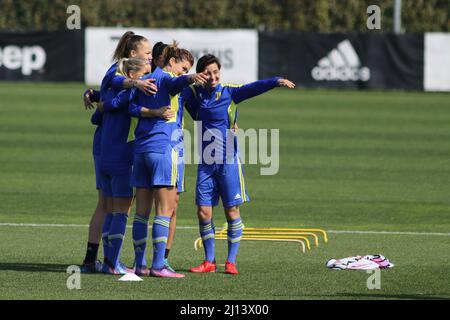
(157, 51)
(128, 42)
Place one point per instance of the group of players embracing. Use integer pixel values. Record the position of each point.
(138, 154)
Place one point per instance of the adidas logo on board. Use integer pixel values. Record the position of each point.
(341, 64)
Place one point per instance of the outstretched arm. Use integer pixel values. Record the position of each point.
(177, 84)
(256, 88)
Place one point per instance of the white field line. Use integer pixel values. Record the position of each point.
(48, 225)
(51, 225)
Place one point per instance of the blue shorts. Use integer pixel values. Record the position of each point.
(98, 184)
(116, 185)
(224, 180)
(152, 170)
(180, 177)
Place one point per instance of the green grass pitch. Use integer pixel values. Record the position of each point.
(361, 161)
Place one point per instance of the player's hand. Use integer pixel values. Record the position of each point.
(147, 86)
(199, 78)
(286, 83)
(166, 113)
(235, 128)
(87, 99)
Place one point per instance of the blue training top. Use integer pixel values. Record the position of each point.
(217, 110)
(155, 134)
(116, 152)
(96, 119)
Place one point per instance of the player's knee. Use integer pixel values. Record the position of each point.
(204, 214)
(232, 212)
(122, 205)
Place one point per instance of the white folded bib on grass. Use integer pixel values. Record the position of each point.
(368, 262)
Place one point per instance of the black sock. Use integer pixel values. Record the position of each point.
(166, 255)
(91, 253)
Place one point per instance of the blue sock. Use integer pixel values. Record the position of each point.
(140, 233)
(116, 236)
(160, 233)
(207, 230)
(234, 234)
(105, 233)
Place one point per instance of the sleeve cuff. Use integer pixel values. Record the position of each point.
(95, 96)
(136, 112)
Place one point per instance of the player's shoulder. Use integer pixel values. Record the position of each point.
(226, 89)
(147, 76)
(190, 91)
(112, 68)
(231, 85)
(114, 71)
(119, 74)
(158, 73)
(110, 73)
(168, 74)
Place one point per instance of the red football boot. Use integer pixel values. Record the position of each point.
(205, 267)
(230, 268)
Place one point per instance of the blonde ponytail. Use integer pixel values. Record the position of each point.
(126, 65)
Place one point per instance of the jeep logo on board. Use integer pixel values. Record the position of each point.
(27, 59)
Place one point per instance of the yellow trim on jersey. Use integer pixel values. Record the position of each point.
(174, 105)
(232, 113)
(170, 73)
(133, 125)
(232, 85)
(173, 179)
(241, 180)
(182, 183)
(182, 119)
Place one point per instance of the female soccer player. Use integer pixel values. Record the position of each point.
(140, 223)
(155, 162)
(90, 264)
(130, 45)
(159, 60)
(117, 159)
(220, 173)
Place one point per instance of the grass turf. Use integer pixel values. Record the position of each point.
(348, 161)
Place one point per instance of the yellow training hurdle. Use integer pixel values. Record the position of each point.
(296, 235)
